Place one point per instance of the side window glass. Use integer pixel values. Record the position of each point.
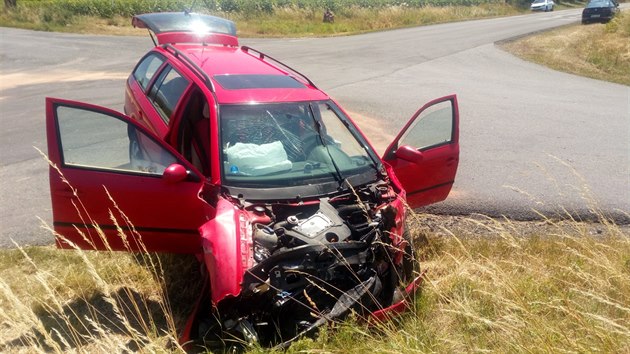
(167, 91)
(146, 69)
(99, 141)
(433, 127)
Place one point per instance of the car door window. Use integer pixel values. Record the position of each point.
(167, 91)
(433, 128)
(425, 154)
(94, 140)
(147, 68)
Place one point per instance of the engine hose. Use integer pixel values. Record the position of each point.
(345, 209)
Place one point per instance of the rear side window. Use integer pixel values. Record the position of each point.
(147, 68)
(167, 91)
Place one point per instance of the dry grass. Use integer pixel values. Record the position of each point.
(561, 286)
(60, 301)
(599, 51)
(77, 300)
(563, 291)
(491, 286)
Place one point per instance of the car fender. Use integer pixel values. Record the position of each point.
(227, 244)
(400, 204)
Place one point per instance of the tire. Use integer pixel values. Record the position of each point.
(407, 271)
(410, 265)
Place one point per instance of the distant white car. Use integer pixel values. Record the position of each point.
(542, 5)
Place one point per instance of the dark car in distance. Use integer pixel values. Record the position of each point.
(599, 11)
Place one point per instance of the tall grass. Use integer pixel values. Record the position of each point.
(110, 8)
(253, 17)
(55, 301)
(58, 301)
(489, 290)
(492, 285)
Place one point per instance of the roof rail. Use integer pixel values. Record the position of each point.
(266, 57)
(191, 65)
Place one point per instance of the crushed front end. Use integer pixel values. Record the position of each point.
(303, 264)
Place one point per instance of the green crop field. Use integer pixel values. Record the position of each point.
(110, 8)
(276, 18)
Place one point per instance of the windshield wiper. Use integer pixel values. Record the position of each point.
(318, 128)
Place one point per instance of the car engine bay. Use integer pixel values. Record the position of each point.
(313, 263)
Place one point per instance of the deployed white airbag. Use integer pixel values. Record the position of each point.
(257, 160)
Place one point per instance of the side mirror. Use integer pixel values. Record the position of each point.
(409, 153)
(175, 173)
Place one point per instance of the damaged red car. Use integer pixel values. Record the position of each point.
(226, 153)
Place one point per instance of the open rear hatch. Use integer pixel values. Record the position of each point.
(186, 27)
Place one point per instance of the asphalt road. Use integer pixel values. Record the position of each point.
(533, 141)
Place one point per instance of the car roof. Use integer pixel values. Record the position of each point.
(244, 75)
(208, 49)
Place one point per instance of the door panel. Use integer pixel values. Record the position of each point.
(425, 154)
(105, 197)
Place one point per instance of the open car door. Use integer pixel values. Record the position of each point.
(425, 154)
(110, 194)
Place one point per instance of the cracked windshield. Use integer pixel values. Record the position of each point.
(293, 144)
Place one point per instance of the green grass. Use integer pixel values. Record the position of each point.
(253, 18)
(293, 22)
(599, 51)
(492, 285)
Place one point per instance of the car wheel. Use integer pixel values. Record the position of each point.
(408, 270)
(410, 265)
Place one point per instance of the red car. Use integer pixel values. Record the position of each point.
(228, 154)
